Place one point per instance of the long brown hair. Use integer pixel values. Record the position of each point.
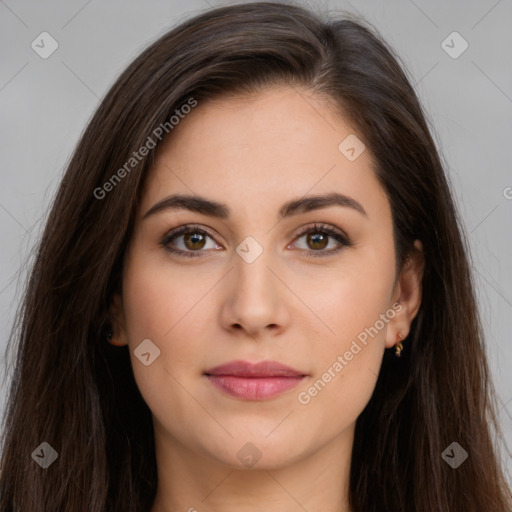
(76, 392)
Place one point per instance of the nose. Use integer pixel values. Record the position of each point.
(255, 300)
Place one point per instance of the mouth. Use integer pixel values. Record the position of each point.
(259, 381)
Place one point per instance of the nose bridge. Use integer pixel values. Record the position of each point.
(255, 298)
(254, 281)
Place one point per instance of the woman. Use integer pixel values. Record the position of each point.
(253, 291)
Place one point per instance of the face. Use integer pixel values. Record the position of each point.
(257, 271)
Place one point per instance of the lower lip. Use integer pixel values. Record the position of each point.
(254, 388)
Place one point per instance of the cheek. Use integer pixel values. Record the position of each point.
(166, 309)
(346, 368)
(159, 300)
(350, 298)
(171, 308)
(355, 311)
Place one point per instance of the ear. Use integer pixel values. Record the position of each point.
(116, 311)
(408, 293)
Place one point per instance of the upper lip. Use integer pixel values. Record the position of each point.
(261, 369)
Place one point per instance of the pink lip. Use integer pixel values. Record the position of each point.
(254, 381)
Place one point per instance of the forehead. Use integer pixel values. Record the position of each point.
(277, 144)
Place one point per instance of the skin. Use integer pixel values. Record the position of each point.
(253, 154)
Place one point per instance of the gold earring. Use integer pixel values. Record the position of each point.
(398, 347)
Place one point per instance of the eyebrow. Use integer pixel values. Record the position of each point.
(219, 210)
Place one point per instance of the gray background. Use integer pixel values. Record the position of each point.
(46, 103)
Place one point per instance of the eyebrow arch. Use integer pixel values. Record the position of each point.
(219, 210)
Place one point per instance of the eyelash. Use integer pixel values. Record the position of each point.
(317, 228)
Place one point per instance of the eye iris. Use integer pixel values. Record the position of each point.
(192, 239)
(318, 240)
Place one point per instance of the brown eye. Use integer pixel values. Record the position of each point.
(321, 240)
(317, 241)
(189, 241)
(194, 240)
